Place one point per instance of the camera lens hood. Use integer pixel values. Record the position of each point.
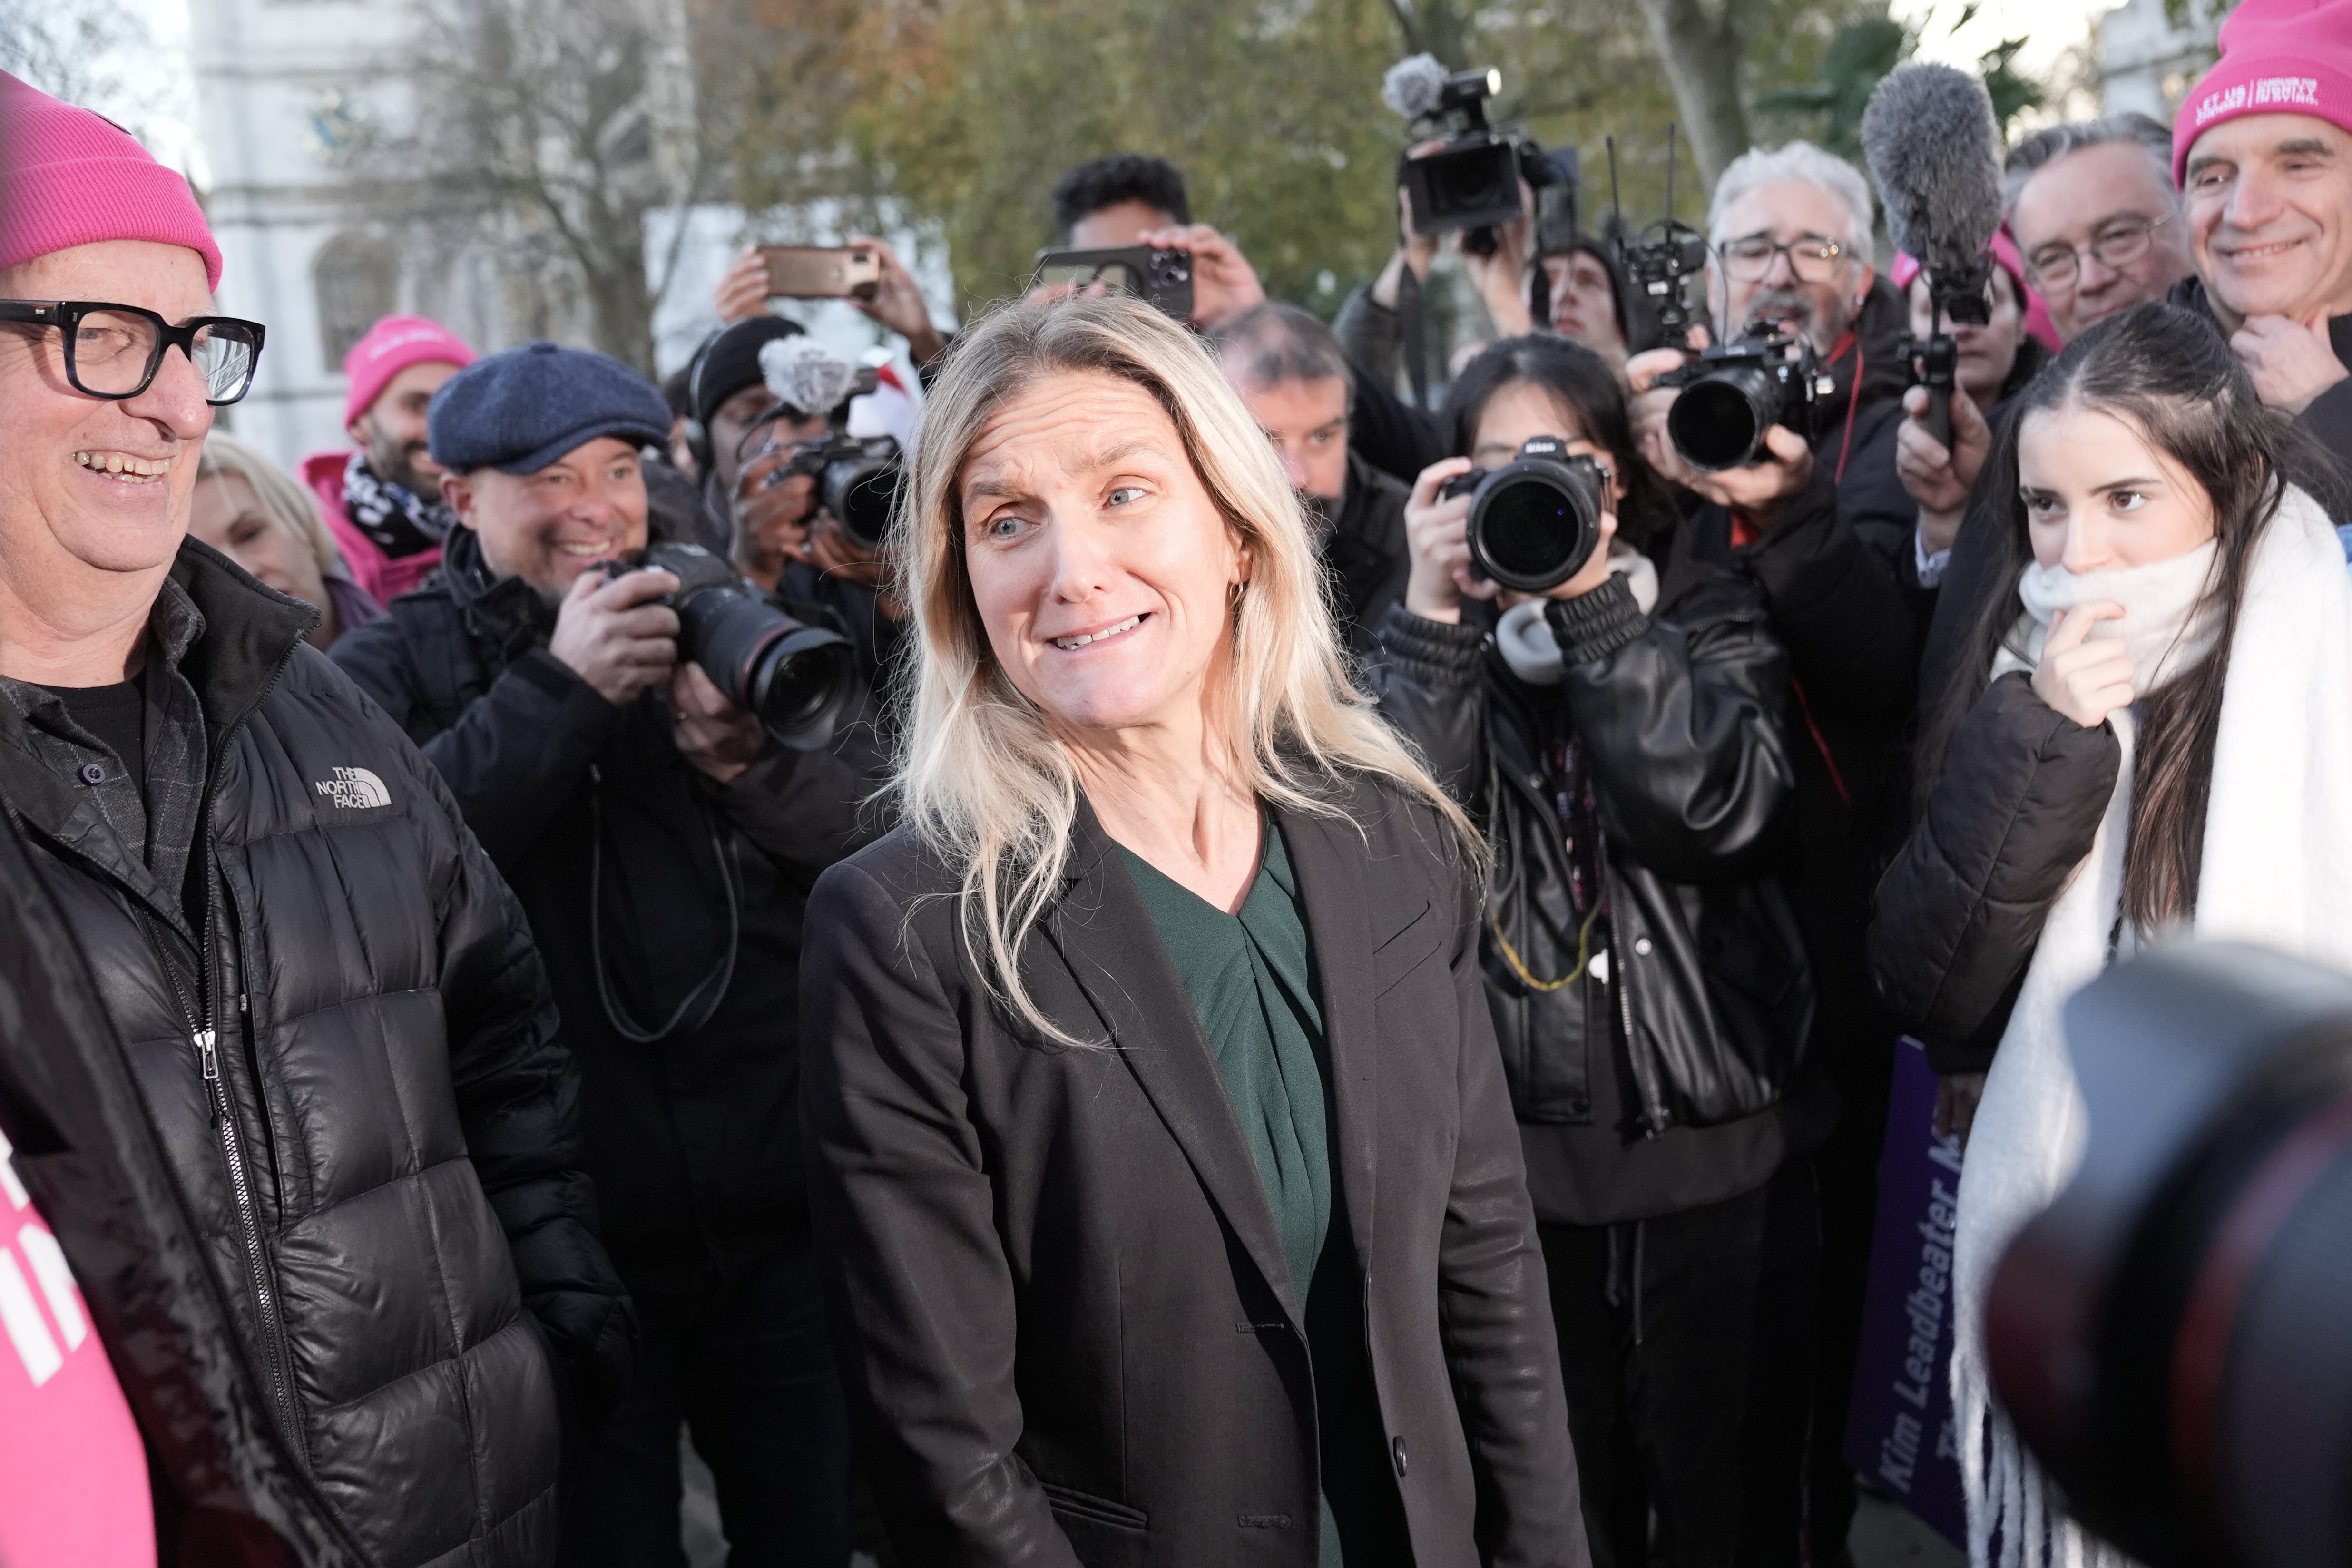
(1534, 522)
(2170, 1335)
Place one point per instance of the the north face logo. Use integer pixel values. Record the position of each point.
(354, 789)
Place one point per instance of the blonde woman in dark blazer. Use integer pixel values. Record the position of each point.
(1159, 1148)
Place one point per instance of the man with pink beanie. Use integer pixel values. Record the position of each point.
(297, 1261)
(384, 500)
(2262, 151)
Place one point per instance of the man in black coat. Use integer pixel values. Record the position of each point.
(662, 847)
(312, 1153)
(1821, 523)
(1288, 367)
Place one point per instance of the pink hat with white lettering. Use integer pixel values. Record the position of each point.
(2278, 57)
(390, 346)
(70, 177)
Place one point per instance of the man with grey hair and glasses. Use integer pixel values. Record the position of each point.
(2093, 210)
(1822, 525)
(1791, 232)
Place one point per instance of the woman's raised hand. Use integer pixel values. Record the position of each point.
(2085, 680)
(1438, 533)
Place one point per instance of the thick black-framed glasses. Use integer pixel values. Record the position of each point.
(114, 351)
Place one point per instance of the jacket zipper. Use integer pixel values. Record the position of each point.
(205, 1039)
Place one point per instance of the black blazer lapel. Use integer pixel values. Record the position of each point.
(1328, 854)
(1105, 936)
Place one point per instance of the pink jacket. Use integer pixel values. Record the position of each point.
(384, 578)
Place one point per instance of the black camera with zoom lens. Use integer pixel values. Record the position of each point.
(1536, 520)
(1733, 393)
(795, 678)
(2169, 1337)
(857, 480)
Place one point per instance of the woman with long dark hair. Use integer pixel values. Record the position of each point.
(1622, 741)
(2150, 732)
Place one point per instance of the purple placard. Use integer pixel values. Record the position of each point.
(1899, 1432)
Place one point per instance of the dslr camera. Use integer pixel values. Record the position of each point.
(1734, 393)
(795, 678)
(1536, 520)
(858, 480)
(1471, 182)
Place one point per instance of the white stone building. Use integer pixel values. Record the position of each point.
(2147, 62)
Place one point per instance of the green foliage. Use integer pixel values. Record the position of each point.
(2012, 92)
(1859, 54)
(962, 113)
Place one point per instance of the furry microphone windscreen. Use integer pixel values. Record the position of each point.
(805, 374)
(1412, 87)
(1931, 142)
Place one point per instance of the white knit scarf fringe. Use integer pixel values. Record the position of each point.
(2276, 870)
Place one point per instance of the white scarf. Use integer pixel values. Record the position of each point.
(1524, 639)
(2276, 870)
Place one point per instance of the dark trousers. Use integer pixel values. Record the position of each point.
(1847, 1169)
(1685, 1345)
(748, 1368)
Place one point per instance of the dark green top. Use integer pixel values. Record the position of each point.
(1251, 978)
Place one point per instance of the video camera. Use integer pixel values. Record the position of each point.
(1536, 520)
(858, 477)
(1734, 393)
(796, 678)
(1470, 184)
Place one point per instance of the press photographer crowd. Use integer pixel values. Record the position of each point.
(1198, 940)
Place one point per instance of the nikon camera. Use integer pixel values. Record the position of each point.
(796, 678)
(1733, 393)
(1536, 520)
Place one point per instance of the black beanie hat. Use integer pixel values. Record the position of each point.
(730, 361)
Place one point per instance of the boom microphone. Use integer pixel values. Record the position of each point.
(1934, 148)
(1412, 87)
(806, 375)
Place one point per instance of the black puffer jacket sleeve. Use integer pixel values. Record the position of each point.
(1683, 720)
(511, 752)
(1837, 607)
(518, 1095)
(2014, 812)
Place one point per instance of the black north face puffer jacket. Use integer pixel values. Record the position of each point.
(383, 1178)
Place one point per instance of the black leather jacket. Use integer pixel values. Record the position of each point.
(1681, 721)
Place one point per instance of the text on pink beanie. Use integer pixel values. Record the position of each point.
(390, 346)
(70, 177)
(2278, 57)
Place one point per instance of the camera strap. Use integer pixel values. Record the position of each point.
(1412, 327)
(702, 1001)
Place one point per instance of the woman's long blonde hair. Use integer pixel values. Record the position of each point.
(979, 776)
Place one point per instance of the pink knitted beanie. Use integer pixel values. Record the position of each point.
(70, 177)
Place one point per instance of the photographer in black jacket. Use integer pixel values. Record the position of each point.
(662, 847)
(1623, 743)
